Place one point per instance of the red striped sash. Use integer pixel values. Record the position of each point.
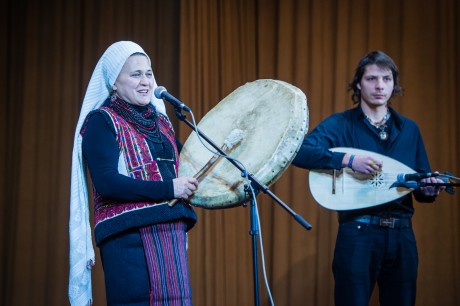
(166, 254)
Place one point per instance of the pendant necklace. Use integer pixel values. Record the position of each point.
(381, 125)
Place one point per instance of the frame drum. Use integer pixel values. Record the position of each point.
(272, 117)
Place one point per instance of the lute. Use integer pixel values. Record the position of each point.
(346, 189)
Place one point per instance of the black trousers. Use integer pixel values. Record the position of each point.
(366, 255)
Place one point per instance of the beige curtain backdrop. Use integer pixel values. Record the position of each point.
(201, 51)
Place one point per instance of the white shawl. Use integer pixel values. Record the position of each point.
(81, 246)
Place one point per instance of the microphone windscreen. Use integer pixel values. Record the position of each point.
(159, 91)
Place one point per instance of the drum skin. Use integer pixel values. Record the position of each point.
(273, 116)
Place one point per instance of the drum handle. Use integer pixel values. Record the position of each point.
(199, 175)
(231, 141)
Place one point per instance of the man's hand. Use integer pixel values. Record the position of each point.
(432, 191)
(362, 163)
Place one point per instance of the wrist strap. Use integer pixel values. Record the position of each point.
(350, 161)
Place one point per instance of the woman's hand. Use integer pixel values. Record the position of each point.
(184, 187)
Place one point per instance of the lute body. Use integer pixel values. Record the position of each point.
(348, 190)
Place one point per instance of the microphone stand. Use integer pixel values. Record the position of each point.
(447, 179)
(257, 186)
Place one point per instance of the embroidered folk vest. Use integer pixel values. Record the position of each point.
(112, 217)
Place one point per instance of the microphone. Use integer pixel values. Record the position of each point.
(411, 180)
(161, 93)
(414, 177)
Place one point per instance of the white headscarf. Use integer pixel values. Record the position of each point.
(81, 247)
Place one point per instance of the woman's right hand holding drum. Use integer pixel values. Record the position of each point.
(184, 187)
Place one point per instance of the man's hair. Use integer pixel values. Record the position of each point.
(383, 61)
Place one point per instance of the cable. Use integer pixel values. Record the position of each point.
(262, 256)
(254, 196)
(195, 128)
